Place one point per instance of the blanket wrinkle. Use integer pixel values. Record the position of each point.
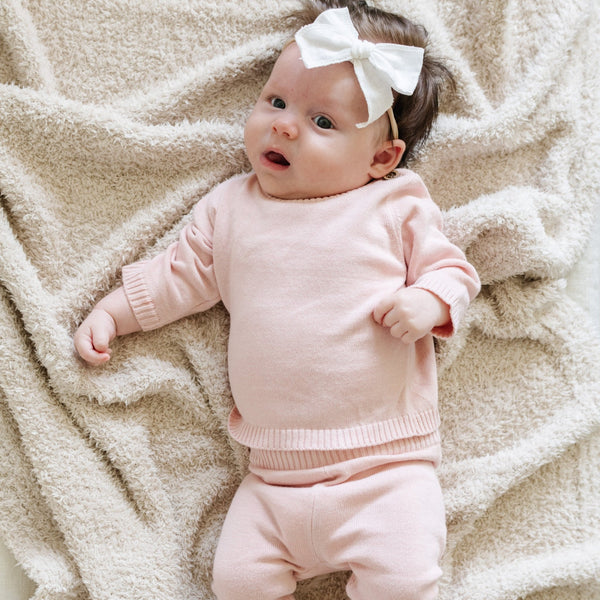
(544, 246)
(28, 62)
(198, 93)
(116, 119)
(73, 512)
(559, 419)
(110, 138)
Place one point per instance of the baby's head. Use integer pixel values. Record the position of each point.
(327, 120)
(415, 113)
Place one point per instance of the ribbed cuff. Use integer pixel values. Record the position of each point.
(139, 298)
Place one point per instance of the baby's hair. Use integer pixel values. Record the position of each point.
(414, 114)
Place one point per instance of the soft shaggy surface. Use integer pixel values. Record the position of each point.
(115, 117)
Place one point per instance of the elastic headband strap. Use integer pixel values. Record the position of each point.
(393, 124)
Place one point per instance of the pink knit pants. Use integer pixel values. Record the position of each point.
(385, 524)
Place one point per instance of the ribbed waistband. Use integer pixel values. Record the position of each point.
(401, 427)
(426, 447)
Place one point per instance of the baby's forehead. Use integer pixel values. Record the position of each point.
(334, 82)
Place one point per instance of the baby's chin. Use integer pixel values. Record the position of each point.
(279, 189)
(283, 194)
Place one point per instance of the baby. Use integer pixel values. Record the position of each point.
(336, 275)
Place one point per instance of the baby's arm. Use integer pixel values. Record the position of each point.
(112, 316)
(439, 281)
(411, 313)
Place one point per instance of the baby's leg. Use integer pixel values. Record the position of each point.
(251, 561)
(400, 535)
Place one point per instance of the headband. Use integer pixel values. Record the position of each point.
(332, 38)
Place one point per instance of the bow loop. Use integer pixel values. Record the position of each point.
(379, 68)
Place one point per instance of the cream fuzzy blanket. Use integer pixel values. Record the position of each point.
(115, 117)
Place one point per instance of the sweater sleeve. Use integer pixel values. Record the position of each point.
(180, 281)
(433, 263)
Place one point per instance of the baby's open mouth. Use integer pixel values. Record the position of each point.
(277, 158)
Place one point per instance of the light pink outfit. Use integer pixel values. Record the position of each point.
(385, 524)
(316, 382)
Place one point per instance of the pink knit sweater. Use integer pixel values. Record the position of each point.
(309, 368)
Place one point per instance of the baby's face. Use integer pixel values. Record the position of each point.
(301, 137)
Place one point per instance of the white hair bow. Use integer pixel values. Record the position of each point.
(332, 38)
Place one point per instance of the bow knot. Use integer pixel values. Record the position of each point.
(361, 49)
(379, 68)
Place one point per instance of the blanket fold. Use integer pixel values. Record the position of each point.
(115, 119)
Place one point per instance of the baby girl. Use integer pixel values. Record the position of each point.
(336, 274)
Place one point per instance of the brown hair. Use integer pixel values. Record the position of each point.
(414, 114)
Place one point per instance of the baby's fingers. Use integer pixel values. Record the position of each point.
(382, 309)
(100, 340)
(92, 348)
(405, 334)
(87, 351)
(96, 358)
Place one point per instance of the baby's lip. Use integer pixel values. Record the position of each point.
(275, 159)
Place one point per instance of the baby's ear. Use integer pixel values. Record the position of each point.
(386, 158)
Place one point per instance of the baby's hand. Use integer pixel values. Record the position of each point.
(411, 313)
(94, 335)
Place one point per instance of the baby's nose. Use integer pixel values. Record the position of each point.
(285, 126)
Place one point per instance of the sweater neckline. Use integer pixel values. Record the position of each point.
(317, 198)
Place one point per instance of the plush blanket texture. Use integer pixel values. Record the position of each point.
(116, 116)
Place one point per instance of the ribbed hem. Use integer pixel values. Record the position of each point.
(139, 298)
(404, 449)
(360, 436)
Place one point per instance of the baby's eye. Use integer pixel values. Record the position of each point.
(323, 122)
(277, 103)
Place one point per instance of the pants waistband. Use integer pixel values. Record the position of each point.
(425, 447)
